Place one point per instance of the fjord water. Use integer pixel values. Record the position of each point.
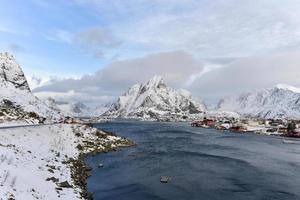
(202, 163)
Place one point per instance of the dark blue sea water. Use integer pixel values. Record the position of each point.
(203, 164)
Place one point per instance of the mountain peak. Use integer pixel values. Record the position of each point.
(288, 87)
(11, 72)
(14, 89)
(155, 101)
(156, 81)
(7, 55)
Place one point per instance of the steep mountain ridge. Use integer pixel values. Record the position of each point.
(281, 101)
(155, 101)
(15, 94)
(11, 72)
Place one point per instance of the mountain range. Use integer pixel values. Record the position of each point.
(76, 109)
(281, 101)
(152, 100)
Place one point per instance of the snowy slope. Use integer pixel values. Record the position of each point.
(101, 109)
(76, 109)
(15, 90)
(221, 114)
(155, 101)
(281, 101)
(34, 160)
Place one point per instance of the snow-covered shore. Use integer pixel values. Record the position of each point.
(41, 162)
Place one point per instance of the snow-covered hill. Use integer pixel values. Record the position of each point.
(36, 161)
(101, 109)
(155, 101)
(15, 93)
(281, 101)
(76, 109)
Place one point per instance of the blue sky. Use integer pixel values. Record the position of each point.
(194, 44)
(41, 33)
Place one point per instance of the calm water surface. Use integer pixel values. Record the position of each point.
(203, 163)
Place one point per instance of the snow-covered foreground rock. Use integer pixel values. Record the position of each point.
(16, 100)
(282, 101)
(155, 101)
(44, 162)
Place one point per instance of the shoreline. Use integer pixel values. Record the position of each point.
(81, 171)
(48, 162)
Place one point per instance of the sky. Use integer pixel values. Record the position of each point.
(93, 50)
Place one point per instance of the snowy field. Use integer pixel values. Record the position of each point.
(32, 160)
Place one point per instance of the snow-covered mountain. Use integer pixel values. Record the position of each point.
(76, 109)
(281, 101)
(11, 73)
(15, 94)
(101, 109)
(155, 101)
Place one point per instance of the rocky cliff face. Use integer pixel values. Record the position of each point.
(281, 101)
(11, 72)
(16, 99)
(155, 101)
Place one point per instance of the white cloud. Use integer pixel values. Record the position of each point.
(207, 67)
(15, 48)
(223, 28)
(180, 70)
(96, 41)
(257, 36)
(207, 29)
(249, 73)
(97, 37)
(73, 96)
(175, 67)
(60, 35)
(5, 29)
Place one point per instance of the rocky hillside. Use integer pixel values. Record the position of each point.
(11, 73)
(15, 93)
(155, 101)
(281, 101)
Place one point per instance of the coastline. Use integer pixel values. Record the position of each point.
(80, 170)
(47, 162)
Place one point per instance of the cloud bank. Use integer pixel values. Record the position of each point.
(181, 70)
(213, 48)
(204, 28)
(177, 68)
(250, 73)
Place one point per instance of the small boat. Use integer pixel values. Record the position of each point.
(164, 179)
(100, 165)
